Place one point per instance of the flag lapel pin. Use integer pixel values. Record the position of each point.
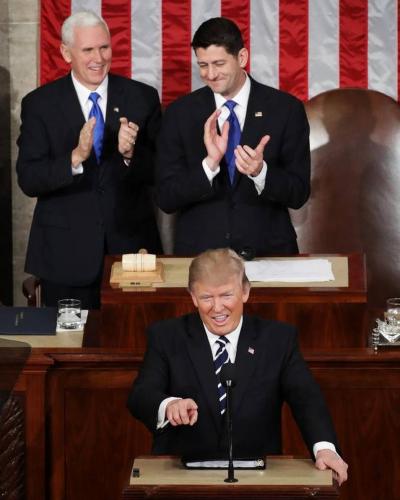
(116, 110)
(258, 114)
(250, 350)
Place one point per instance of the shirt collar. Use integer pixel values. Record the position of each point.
(241, 98)
(233, 336)
(83, 92)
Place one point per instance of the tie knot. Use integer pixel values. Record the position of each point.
(94, 96)
(230, 105)
(222, 341)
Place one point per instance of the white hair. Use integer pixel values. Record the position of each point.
(78, 20)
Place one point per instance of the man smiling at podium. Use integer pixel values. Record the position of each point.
(178, 393)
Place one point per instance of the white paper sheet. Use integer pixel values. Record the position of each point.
(290, 271)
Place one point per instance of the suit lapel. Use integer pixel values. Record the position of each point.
(115, 101)
(257, 110)
(69, 105)
(246, 360)
(201, 357)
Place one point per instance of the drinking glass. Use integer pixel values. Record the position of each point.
(69, 314)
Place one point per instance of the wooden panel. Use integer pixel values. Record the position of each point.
(32, 388)
(363, 394)
(93, 439)
(326, 317)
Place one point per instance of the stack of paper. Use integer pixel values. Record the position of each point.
(290, 271)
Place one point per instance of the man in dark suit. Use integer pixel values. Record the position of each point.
(86, 152)
(177, 395)
(226, 195)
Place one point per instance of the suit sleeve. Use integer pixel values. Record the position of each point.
(181, 180)
(288, 178)
(305, 399)
(40, 171)
(150, 387)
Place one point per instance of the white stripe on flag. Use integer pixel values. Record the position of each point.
(201, 11)
(146, 36)
(382, 46)
(264, 42)
(94, 5)
(323, 46)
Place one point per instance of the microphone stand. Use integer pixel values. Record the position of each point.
(231, 470)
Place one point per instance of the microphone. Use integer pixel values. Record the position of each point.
(228, 380)
(228, 375)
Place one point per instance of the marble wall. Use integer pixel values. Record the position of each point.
(19, 58)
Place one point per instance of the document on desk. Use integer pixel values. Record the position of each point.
(290, 270)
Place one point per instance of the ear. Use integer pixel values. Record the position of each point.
(243, 57)
(194, 300)
(65, 53)
(246, 292)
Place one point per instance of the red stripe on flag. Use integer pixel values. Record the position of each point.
(353, 45)
(176, 50)
(293, 47)
(239, 12)
(52, 15)
(117, 14)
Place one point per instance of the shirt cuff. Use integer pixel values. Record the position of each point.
(323, 445)
(210, 173)
(161, 420)
(259, 180)
(77, 170)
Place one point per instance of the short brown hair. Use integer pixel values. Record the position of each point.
(217, 266)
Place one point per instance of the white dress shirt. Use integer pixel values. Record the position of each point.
(86, 105)
(241, 99)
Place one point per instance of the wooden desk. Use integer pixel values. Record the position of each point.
(78, 429)
(166, 478)
(326, 316)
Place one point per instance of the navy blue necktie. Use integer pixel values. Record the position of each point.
(221, 357)
(99, 127)
(233, 139)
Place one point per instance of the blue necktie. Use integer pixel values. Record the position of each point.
(233, 139)
(99, 127)
(221, 357)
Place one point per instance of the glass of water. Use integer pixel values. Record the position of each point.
(392, 313)
(69, 314)
(390, 329)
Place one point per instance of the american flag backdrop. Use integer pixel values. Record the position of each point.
(302, 46)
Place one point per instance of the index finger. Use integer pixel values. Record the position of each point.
(213, 118)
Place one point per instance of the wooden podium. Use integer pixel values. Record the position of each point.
(165, 478)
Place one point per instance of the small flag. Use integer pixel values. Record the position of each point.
(251, 350)
(257, 114)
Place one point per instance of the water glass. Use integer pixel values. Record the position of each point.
(392, 314)
(69, 314)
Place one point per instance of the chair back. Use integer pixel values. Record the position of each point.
(355, 184)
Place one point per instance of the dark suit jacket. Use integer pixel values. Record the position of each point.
(178, 362)
(108, 207)
(221, 215)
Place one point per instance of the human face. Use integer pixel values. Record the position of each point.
(89, 55)
(222, 72)
(220, 306)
